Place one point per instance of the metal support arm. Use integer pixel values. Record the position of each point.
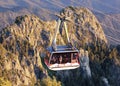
(54, 46)
(55, 35)
(66, 31)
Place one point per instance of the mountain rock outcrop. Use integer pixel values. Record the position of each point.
(22, 43)
(83, 25)
(106, 11)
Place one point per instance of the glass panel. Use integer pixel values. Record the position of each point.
(62, 58)
(74, 57)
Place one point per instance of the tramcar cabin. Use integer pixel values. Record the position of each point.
(63, 58)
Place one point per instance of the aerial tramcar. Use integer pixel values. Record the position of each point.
(62, 57)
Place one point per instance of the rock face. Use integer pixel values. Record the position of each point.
(22, 43)
(107, 15)
(84, 25)
(20, 50)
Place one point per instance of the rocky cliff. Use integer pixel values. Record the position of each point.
(84, 27)
(23, 43)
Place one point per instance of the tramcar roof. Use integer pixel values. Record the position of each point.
(62, 49)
